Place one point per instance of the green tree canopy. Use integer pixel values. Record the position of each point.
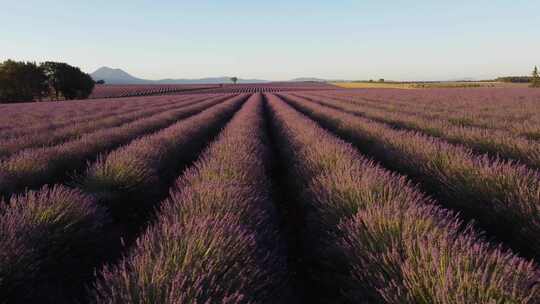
(21, 81)
(68, 81)
(535, 83)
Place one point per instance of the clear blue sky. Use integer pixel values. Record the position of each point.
(401, 40)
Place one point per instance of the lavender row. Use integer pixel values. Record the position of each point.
(493, 142)
(59, 118)
(58, 112)
(134, 172)
(503, 197)
(32, 168)
(115, 91)
(48, 239)
(461, 112)
(371, 237)
(507, 110)
(53, 238)
(511, 105)
(215, 240)
(79, 129)
(518, 117)
(69, 118)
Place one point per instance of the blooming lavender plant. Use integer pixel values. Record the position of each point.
(503, 197)
(496, 143)
(215, 240)
(371, 237)
(133, 174)
(76, 129)
(46, 237)
(35, 167)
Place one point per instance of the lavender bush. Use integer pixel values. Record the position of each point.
(215, 240)
(501, 196)
(35, 167)
(371, 237)
(77, 129)
(129, 176)
(497, 143)
(46, 237)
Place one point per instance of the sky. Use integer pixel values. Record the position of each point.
(279, 40)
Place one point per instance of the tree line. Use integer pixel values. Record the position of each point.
(515, 79)
(534, 79)
(28, 81)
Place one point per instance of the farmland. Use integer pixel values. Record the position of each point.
(113, 91)
(272, 193)
(427, 84)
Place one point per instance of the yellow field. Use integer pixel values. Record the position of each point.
(426, 85)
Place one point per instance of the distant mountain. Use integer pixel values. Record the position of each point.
(304, 79)
(118, 76)
(462, 79)
(207, 80)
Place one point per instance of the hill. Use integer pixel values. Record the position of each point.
(119, 76)
(116, 76)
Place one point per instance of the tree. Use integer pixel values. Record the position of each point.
(68, 81)
(535, 82)
(21, 81)
(515, 79)
(234, 79)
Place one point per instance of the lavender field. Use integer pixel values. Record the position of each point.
(272, 193)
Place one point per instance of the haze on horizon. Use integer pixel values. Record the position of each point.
(279, 40)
